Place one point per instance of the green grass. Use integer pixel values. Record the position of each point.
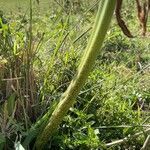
(116, 93)
(21, 5)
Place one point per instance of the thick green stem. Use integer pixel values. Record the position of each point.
(101, 25)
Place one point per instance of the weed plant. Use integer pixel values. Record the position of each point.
(38, 63)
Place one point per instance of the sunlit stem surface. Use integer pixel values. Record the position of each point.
(103, 19)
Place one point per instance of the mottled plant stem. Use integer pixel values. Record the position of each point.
(103, 19)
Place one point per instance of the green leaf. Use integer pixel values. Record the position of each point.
(11, 104)
(2, 141)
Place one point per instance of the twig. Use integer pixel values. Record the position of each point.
(123, 126)
(124, 140)
(18, 78)
(146, 144)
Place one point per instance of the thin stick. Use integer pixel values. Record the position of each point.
(122, 126)
(146, 144)
(124, 140)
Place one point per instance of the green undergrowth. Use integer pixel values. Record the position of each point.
(114, 102)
